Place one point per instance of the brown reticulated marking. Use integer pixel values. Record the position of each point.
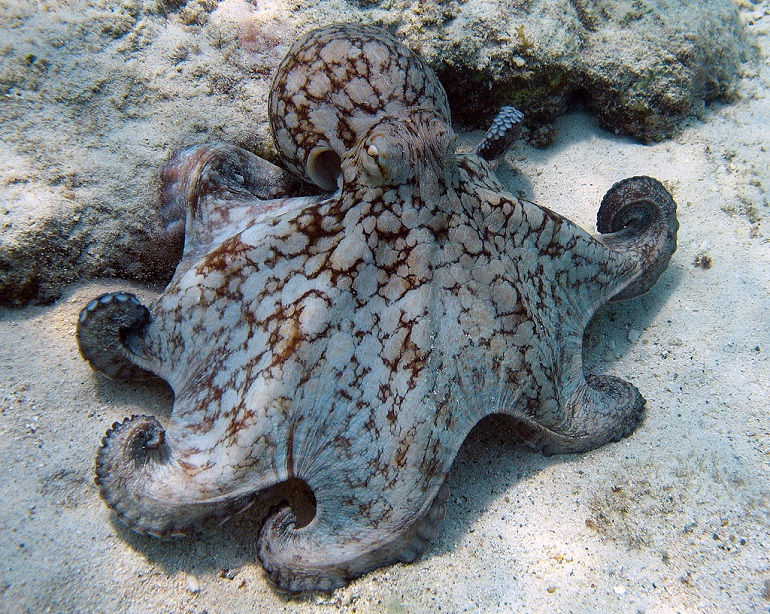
(337, 82)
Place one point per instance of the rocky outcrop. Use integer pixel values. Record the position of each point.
(96, 96)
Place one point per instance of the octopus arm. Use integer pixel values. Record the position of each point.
(378, 489)
(564, 277)
(109, 335)
(343, 541)
(567, 410)
(151, 490)
(637, 218)
(212, 192)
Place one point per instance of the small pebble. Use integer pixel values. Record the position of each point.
(619, 590)
(634, 334)
(193, 586)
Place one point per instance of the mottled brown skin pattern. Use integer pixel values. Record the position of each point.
(335, 351)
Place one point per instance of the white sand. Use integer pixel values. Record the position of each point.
(675, 518)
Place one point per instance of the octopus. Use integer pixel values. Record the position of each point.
(330, 352)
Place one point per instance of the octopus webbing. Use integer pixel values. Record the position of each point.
(329, 354)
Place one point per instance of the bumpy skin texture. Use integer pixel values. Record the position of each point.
(347, 343)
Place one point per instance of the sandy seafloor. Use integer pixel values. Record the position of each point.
(675, 518)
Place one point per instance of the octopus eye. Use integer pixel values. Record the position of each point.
(374, 164)
(383, 161)
(447, 141)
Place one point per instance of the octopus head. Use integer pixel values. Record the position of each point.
(399, 150)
